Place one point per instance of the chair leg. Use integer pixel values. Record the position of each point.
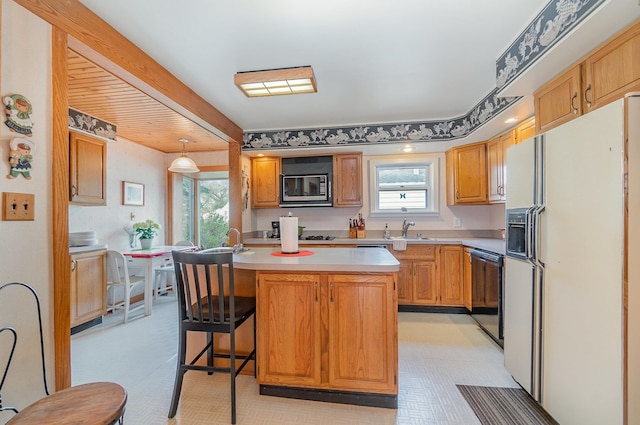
(180, 371)
(232, 372)
(210, 352)
(127, 302)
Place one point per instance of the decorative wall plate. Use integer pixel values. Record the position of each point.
(18, 110)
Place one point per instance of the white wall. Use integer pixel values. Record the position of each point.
(25, 251)
(472, 218)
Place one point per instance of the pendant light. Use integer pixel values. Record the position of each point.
(183, 164)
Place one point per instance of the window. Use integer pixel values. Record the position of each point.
(399, 187)
(205, 209)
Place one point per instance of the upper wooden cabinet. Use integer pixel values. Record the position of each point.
(606, 74)
(612, 70)
(559, 100)
(265, 179)
(496, 167)
(347, 180)
(525, 130)
(87, 169)
(467, 174)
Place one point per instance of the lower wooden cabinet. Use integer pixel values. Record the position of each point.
(328, 331)
(430, 275)
(467, 288)
(88, 286)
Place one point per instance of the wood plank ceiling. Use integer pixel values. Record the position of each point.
(138, 117)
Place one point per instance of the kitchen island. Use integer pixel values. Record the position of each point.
(326, 324)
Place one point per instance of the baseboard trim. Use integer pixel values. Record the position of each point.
(86, 325)
(389, 401)
(432, 309)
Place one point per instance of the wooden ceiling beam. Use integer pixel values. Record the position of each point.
(102, 44)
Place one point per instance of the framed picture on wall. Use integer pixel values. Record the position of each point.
(132, 193)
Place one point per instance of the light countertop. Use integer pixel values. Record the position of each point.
(86, 248)
(493, 245)
(372, 260)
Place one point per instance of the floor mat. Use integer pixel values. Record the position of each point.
(504, 406)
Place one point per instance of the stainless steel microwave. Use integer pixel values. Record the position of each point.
(312, 190)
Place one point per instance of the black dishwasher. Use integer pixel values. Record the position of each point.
(487, 291)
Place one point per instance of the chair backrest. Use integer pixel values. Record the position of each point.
(117, 269)
(14, 336)
(200, 278)
(184, 243)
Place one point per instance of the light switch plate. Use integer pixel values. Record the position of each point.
(18, 206)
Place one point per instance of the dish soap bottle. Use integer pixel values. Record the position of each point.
(387, 233)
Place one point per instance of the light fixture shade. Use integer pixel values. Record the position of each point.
(183, 164)
(275, 82)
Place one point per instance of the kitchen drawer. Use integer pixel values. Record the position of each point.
(415, 252)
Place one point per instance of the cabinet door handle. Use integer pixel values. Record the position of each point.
(316, 290)
(587, 90)
(573, 108)
(331, 291)
(74, 191)
(74, 263)
(457, 194)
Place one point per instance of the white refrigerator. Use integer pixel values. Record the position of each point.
(564, 323)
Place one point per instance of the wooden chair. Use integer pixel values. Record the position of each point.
(98, 403)
(204, 306)
(118, 277)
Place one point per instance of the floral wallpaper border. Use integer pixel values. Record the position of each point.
(371, 134)
(86, 123)
(553, 23)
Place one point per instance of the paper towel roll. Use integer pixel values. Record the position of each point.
(289, 235)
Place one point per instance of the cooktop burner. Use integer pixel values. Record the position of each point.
(317, 238)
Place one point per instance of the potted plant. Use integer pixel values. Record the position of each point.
(146, 231)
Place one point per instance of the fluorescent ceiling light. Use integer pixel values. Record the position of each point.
(274, 82)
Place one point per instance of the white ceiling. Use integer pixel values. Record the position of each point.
(375, 61)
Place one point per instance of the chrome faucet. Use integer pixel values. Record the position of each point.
(238, 247)
(405, 227)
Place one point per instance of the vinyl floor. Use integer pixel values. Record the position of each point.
(436, 352)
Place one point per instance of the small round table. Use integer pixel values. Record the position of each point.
(97, 403)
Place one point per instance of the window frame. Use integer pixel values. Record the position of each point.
(432, 166)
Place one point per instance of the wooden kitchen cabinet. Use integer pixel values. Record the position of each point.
(430, 275)
(496, 166)
(525, 130)
(265, 182)
(612, 70)
(289, 329)
(451, 293)
(328, 331)
(467, 174)
(88, 286)
(603, 76)
(467, 288)
(87, 169)
(362, 332)
(559, 100)
(347, 180)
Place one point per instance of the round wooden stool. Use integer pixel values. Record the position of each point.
(97, 403)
